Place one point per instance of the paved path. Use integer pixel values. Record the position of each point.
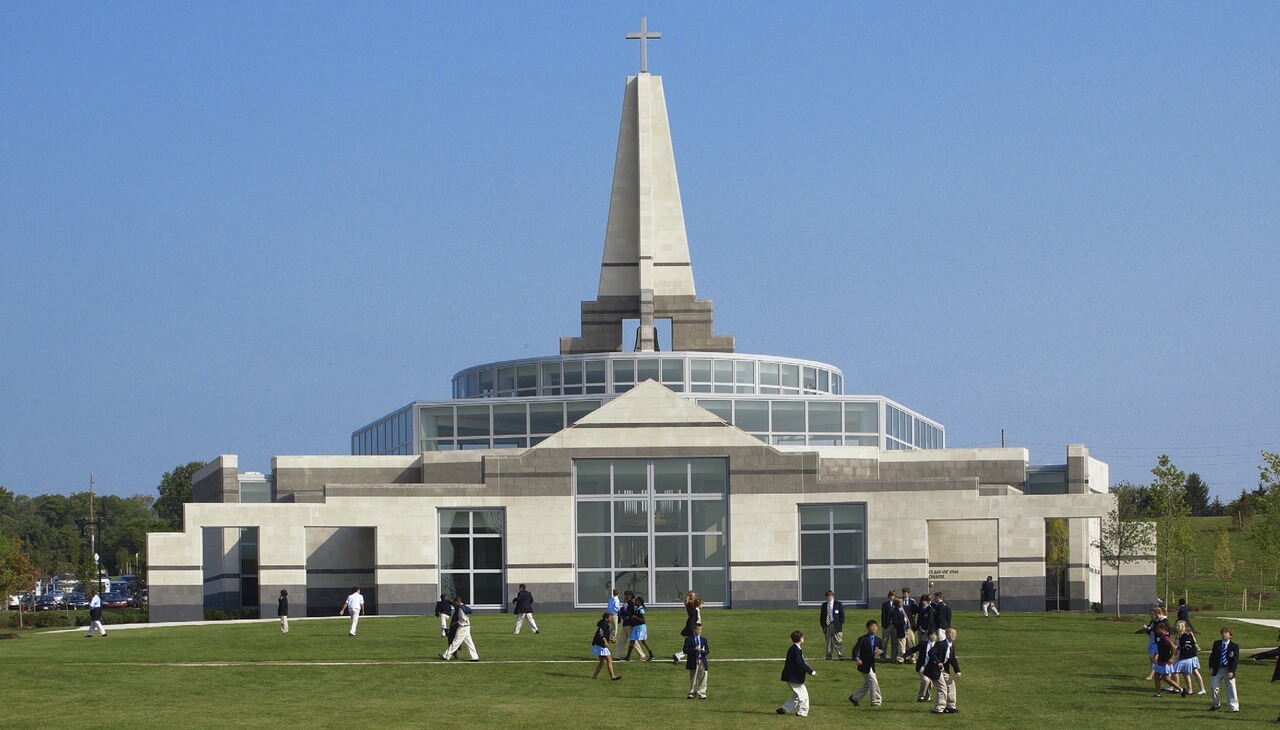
(1272, 622)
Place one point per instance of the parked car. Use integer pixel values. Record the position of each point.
(49, 602)
(77, 601)
(115, 600)
(13, 602)
(138, 598)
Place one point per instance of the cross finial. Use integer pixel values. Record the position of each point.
(643, 36)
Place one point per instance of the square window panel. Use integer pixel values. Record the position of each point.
(708, 476)
(592, 476)
(670, 586)
(630, 552)
(710, 585)
(487, 588)
(815, 550)
(848, 516)
(630, 476)
(646, 369)
(751, 415)
(788, 416)
(709, 551)
(847, 548)
(636, 581)
(673, 371)
(487, 553)
(593, 552)
(671, 551)
(594, 587)
(593, 517)
(631, 515)
(708, 515)
(455, 553)
(850, 584)
(455, 522)
(671, 515)
(814, 584)
(670, 476)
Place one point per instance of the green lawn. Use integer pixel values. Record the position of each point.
(1020, 670)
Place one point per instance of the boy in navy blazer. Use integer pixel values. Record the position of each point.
(941, 658)
(865, 652)
(831, 619)
(794, 671)
(696, 651)
(1223, 659)
(1271, 654)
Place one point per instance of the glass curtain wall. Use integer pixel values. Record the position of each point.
(833, 553)
(472, 556)
(657, 527)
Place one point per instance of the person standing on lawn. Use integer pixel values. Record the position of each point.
(831, 619)
(925, 624)
(1188, 663)
(613, 609)
(865, 652)
(989, 598)
(460, 628)
(95, 615)
(282, 611)
(887, 607)
(639, 632)
(941, 658)
(941, 613)
(693, 616)
(1162, 670)
(1223, 659)
(1184, 614)
(695, 648)
(1272, 654)
(921, 650)
(912, 607)
(600, 644)
(794, 671)
(353, 605)
(897, 633)
(524, 609)
(444, 610)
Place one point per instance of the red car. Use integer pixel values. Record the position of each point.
(114, 600)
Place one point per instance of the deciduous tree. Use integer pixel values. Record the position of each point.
(1123, 541)
(17, 573)
(175, 491)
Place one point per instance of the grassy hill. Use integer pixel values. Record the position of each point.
(1202, 588)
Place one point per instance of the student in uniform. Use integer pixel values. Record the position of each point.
(460, 631)
(1223, 659)
(941, 613)
(95, 615)
(695, 648)
(613, 609)
(941, 657)
(869, 647)
(693, 616)
(524, 609)
(924, 623)
(831, 620)
(639, 632)
(1162, 669)
(1272, 654)
(444, 610)
(794, 671)
(989, 597)
(354, 605)
(1188, 663)
(1184, 614)
(886, 608)
(282, 611)
(897, 632)
(600, 645)
(921, 650)
(912, 607)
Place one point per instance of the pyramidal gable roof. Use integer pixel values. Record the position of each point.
(650, 415)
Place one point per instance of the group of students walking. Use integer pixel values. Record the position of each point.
(625, 617)
(1175, 675)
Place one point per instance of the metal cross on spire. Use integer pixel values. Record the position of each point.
(643, 36)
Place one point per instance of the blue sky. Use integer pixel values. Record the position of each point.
(250, 228)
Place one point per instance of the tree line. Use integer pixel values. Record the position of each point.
(1167, 503)
(50, 532)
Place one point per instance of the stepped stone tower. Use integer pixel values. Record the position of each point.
(646, 273)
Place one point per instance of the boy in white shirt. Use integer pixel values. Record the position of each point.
(353, 605)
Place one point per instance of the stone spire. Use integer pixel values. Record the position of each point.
(646, 273)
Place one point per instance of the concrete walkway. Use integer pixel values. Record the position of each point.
(1272, 622)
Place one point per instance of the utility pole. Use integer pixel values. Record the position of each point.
(93, 542)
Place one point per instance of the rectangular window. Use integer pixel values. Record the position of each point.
(473, 556)
(249, 567)
(833, 552)
(656, 527)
